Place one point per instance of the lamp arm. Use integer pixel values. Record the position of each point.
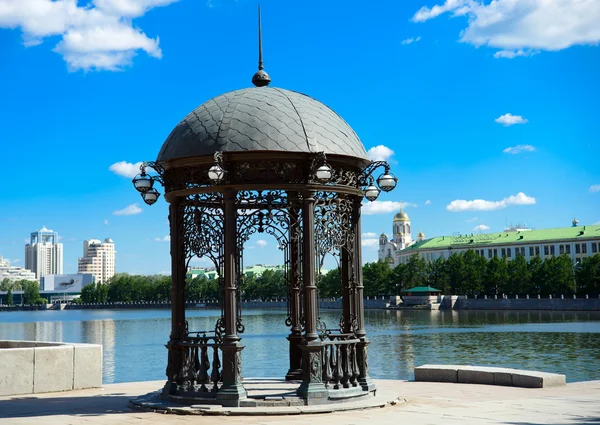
(366, 177)
(156, 166)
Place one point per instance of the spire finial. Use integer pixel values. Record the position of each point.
(261, 78)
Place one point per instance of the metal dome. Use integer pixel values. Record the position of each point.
(262, 119)
(401, 216)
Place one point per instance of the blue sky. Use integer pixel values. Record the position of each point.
(496, 102)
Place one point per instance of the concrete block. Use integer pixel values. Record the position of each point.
(87, 366)
(476, 375)
(53, 369)
(16, 371)
(503, 376)
(533, 379)
(437, 373)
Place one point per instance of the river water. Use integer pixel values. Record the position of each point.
(133, 340)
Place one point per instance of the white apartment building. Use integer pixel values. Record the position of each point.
(14, 273)
(98, 259)
(44, 254)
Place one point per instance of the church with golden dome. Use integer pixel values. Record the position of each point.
(390, 249)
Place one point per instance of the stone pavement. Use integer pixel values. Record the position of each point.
(426, 403)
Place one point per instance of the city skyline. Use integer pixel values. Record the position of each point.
(483, 125)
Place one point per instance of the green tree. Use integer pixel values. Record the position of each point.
(437, 275)
(473, 270)
(330, 285)
(31, 292)
(6, 284)
(415, 272)
(376, 278)
(496, 276)
(519, 276)
(559, 276)
(88, 294)
(9, 298)
(536, 276)
(456, 275)
(397, 280)
(587, 275)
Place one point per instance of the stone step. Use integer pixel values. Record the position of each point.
(488, 375)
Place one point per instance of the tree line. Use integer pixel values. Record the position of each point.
(461, 273)
(467, 273)
(30, 288)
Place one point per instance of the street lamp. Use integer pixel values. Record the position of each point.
(150, 196)
(371, 192)
(216, 173)
(386, 181)
(144, 183)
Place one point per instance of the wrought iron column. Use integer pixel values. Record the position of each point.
(295, 337)
(345, 267)
(175, 352)
(312, 386)
(364, 379)
(232, 389)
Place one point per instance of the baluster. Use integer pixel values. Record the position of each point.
(204, 366)
(346, 366)
(186, 373)
(339, 374)
(215, 376)
(327, 371)
(355, 371)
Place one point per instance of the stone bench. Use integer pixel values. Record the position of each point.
(466, 374)
(29, 367)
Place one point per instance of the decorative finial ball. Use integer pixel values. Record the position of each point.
(261, 79)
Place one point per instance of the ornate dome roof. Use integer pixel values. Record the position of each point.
(401, 216)
(421, 235)
(262, 119)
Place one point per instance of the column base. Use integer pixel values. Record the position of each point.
(230, 396)
(367, 384)
(312, 387)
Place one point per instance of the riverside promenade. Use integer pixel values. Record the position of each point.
(419, 403)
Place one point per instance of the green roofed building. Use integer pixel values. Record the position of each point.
(250, 271)
(577, 241)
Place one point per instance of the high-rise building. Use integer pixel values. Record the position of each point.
(98, 259)
(44, 254)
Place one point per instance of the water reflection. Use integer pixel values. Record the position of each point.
(133, 341)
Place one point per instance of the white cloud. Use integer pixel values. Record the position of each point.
(428, 202)
(511, 54)
(106, 222)
(481, 228)
(132, 209)
(384, 207)
(99, 35)
(16, 261)
(410, 40)
(595, 188)
(518, 149)
(370, 243)
(380, 153)
(471, 220)
(522, 27)
(369, 235)
(262, 243)
(509, 119)
(126, 169)
(460, 205)
(163, 239)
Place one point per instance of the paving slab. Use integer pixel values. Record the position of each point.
(426, 403)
